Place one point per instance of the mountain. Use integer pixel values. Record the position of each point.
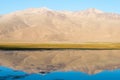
(42, 25)
(45, 25)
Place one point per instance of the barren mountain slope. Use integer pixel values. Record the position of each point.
(45, 25)
(89, 61)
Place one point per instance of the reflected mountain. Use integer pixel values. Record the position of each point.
(45, 61)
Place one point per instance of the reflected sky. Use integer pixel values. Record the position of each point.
(9, 74)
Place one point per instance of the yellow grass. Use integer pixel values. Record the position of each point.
(60, 46)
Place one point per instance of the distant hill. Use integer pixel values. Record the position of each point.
(45, 25)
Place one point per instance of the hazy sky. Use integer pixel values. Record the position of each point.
(7, 6)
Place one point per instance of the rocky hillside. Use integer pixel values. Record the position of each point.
(45, 25)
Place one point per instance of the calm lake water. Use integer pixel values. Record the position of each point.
(9, 74)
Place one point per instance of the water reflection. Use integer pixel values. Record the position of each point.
(9, 74)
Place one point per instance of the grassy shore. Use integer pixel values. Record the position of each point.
(89, 46)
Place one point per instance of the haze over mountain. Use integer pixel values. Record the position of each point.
(45, 25)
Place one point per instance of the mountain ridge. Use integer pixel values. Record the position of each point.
(46, 25)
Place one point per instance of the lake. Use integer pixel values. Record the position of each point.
(9, 74)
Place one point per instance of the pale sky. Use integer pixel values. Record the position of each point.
(7, 6)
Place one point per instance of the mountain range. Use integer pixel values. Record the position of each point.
(42, 25)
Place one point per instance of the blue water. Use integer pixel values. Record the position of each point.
(9, 74)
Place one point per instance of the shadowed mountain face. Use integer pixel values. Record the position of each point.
(45, 25)
(89, 61)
